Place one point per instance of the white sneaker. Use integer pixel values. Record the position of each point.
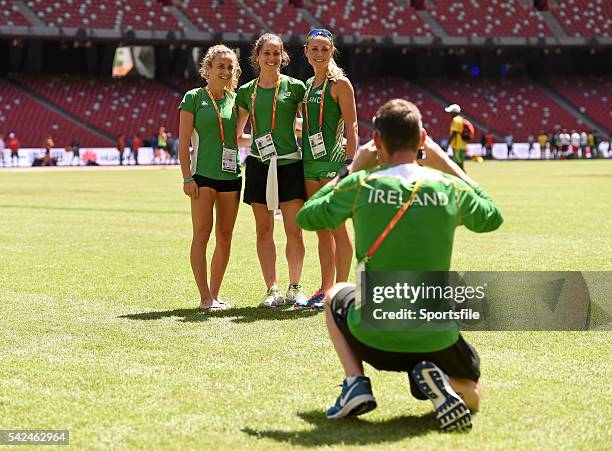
(273, 298)
(295, 294)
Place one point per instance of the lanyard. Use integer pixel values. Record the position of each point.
(392, 223)
(254, 122)
(214, 103)
(320, 105)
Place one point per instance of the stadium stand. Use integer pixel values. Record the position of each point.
(584, 17)
(506, 18)
(369, 18)
(218, 16)
(114, 14)
(515, 105)
(281, 17)
(11, 15)
(112, 105)
(33, 122)
(590, 95)
(369, 95)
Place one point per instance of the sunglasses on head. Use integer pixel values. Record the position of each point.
(321, 32)
(376, 129)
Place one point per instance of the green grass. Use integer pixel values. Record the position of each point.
(99, 334)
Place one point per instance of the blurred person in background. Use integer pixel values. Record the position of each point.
(121, 147)
(136, 143)
(76, 151)
(2, 147)
(13, 144)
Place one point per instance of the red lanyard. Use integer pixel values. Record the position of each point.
(254, 122)
(392, 223)
(320, 106)
(214, 103)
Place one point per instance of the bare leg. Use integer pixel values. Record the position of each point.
(326, 245)
(470, 391)
(350, 362)
(202, 221)
(266, 250)
(226, 210)
(344, 253)
(294, 251)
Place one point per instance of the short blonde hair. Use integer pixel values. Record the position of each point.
(268, 37)
(209, 57)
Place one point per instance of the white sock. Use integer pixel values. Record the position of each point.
(351, 379)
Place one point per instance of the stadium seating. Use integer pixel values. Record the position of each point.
(369, 18)
(591, 95)
(32, 122)
(370, 95)
(11, 16)
(585, 17)
(218, 16)
(113, 14)
(493, 18)
(515, 105)
(281, 17)
(111, 105)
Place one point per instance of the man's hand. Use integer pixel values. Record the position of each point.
(365, 157)
(436, 158)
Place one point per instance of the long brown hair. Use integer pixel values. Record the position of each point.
(268, 37)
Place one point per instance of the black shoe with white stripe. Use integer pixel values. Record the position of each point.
(451, 412)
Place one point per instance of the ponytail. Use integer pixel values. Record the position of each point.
(334, 72)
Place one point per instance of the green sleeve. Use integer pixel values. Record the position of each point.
(330, 206)
(242, 97)
(477, 210)
(189, 101)
(298, 90)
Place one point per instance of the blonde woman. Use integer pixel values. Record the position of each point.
(274, 170)
(211, 172)
(328, 111)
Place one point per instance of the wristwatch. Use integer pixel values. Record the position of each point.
(343, 172)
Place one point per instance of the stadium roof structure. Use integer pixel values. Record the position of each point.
(355, 22)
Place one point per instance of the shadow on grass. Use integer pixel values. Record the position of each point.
(353, 431)
(237, 315)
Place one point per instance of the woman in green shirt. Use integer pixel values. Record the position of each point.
(211, 171)
(274, 169)
(328, 110)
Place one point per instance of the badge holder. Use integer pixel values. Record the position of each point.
(317, 146)
(265, 147)
(229, 160)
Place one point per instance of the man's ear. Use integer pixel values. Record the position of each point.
(377, 139)
(423, 137)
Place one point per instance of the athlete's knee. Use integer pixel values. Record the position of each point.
(333, 291)
(200, 237)
(264, 231)
(224, 237)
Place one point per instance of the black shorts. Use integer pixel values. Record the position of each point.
(221, 186)
(290, 181)
(459, 360)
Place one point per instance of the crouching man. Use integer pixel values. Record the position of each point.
(404, 216)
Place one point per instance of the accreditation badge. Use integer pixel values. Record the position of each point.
(265, 146)
(229, 160)
(317, 146)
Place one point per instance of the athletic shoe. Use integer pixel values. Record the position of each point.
(451, 412)
(316, 301)
(355, 399)
(273, 298)
(295, 294)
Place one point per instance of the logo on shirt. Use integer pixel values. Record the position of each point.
(204, 103)
(286, 94)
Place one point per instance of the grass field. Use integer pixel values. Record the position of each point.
(99, 333)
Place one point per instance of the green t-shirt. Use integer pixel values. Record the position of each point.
(422, 240)
(333, 124)
(290, 94)
(206, 136)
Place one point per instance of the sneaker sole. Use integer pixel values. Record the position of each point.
(452, 414)
(356, 406)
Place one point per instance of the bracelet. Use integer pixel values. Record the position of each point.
(348, 161)
(187, 180)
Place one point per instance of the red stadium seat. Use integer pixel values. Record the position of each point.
(592, 96)
(218, 16)
(281, 17)
(584, 17)
(32, 122)
(11, 16)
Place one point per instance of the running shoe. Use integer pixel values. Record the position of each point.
(316, 301)
(355, 399)
(273, 298)
(451, 412)
(295, 294)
